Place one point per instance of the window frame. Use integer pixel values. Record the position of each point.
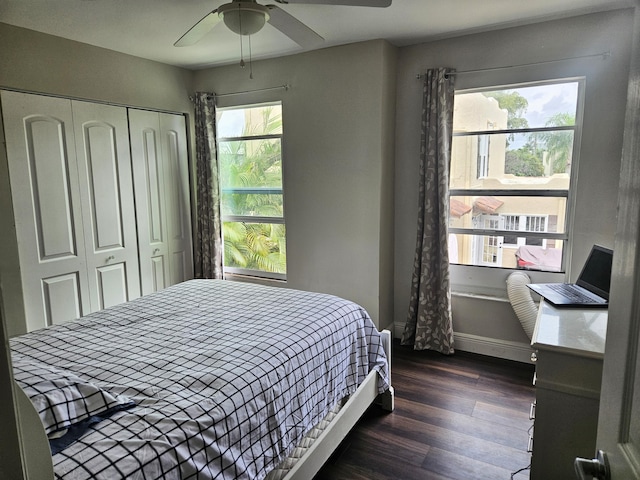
(253, 219)
(464, 270)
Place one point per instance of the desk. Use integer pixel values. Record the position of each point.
(569, 345)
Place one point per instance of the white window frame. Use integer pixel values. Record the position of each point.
(477, 279)
(247, 190)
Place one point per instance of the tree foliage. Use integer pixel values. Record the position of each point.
(254, 164)
(523, 162)
(515, 105)
(527, 160)
(559, 143)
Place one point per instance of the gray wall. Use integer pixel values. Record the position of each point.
(351, 126)
(481, 320)
(340, 160)
(338, 165)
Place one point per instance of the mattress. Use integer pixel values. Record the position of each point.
(206, 379)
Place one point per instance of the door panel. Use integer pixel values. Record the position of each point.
(180, 268)
(103, 185)
(158, 273)
(61, 298)
(151, 159)
(112, 285)
(174, 143)
(47, 205)
(49, 175)
(108, 208)
(148, 173)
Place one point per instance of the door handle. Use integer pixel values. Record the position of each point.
(597, 468)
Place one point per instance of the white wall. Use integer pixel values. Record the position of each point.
(493, 324)
(337, 162)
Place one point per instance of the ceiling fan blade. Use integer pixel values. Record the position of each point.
(199, 30)
(293, 28)
(353, 3)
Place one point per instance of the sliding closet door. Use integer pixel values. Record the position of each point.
(161, 185)
(47, 207)
(108, 209)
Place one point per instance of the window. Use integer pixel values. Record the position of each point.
(525, 223)
(252, 203)
(512, 153)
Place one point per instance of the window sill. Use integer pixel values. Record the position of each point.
(478, 296)
(236, 277)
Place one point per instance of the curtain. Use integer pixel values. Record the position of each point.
(429, 323)
(208, 243)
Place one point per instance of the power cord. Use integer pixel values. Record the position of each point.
(528, 467)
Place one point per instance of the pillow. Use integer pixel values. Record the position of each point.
(60, 397)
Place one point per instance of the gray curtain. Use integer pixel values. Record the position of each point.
(429, 324)
(208, 243)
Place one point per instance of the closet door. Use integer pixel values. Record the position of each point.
(47, 207)
(148, 179)
(161, 185)
(108, 209)
(175, 154)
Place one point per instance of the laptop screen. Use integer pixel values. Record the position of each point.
(596, 273)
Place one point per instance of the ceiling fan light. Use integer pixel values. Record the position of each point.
(244, 18)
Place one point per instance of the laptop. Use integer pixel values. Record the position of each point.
(591, 290)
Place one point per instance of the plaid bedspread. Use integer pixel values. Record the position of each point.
(226, 378)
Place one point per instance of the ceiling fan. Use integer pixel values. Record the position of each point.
(247, 17)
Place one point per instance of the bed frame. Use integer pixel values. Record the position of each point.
(39, 465)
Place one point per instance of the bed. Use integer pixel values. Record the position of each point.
(205, 379)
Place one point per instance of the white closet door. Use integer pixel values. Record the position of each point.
(148, 174)
(47, 210)
(106, 188)
(161, 185)
(175, 154)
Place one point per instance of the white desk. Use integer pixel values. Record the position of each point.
(569, 346)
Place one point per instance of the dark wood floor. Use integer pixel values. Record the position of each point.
(463, 416)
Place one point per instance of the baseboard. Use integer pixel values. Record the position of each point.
(492, 347)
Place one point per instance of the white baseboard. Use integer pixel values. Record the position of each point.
(492, 347)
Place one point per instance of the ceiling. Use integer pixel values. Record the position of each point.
(148, 28)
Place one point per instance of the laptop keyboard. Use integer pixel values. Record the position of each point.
(573, 294)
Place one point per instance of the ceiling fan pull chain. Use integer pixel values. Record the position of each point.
(241, 51)
(250, 62)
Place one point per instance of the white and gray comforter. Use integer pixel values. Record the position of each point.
(206, 379)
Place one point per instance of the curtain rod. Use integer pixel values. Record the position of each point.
(279, 87)
(491, 69)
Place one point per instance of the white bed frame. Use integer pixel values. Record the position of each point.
(37, 454)
(322, 448)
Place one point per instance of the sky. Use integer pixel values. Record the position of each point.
(230, 123)
(548, 100)
(545, 101)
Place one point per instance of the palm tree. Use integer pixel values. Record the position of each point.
(559, 143)
(251, 182)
